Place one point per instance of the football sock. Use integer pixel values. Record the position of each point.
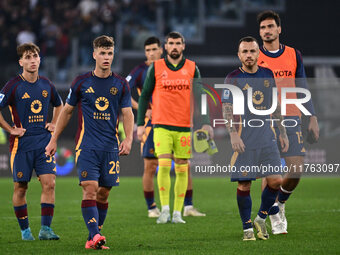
(90, 215)
(163, 179)
(274, 209)
(46, 214)
(21, 213)
(102, 211)
(181, 185)
(244, 207)
(150, 200)
(284, 195)
(188, 198)
(267, 200)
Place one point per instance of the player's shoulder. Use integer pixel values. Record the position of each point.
(234, 74)
(81, 78)
(12, 83)
(45, 80)
(139, 68)
(119, 79)
(266, 71)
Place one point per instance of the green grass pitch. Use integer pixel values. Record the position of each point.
(313, 214)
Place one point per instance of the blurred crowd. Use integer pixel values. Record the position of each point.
(54, 24)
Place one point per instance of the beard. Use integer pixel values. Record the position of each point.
(175, 55)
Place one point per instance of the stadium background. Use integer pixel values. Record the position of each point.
(64, 31)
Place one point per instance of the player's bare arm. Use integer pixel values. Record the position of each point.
(12, 130)
(125, 146)
(56, 112)
(63, 119)
(283, 134)
(134, 104)
(314, 127)
(236, 141)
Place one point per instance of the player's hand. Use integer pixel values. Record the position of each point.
(148, 114)
(18, 131)
(51, 148)
(236, 142)
(50, 127)
(314, 127)
(209, 129)
(140, 132)
(284, 142)
(125, 147)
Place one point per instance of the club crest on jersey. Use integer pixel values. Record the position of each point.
(44, 93)
(164, 75)
(184, 71)
(20, 174)
(266, 83)
(84, 174)
(114, 91)
(36, 106)
(102, 103)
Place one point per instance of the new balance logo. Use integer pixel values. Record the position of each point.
(25, 96)
(91, 220)
(89, 90)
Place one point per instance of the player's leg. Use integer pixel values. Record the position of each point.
(269, 157)
(47, 206)
(189, 209)
(244, 204)
(163, 148)
(22, 167)
(150, 167)
(88, 167)
(294, 158)
(45, 168)
(182, 152)
(181, 183)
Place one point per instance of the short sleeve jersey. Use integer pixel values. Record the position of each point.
(256, 130)
(99, 102)
(28, 104)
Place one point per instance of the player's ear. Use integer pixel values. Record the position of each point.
(20, 62)
(94, 55)
(279, 29)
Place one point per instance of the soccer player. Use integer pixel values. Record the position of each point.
(153, 51)
(169, 81)
(254, 147)
(100, 95)
(28, 97)
(287, 66)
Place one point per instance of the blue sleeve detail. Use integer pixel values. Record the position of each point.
(126, 95)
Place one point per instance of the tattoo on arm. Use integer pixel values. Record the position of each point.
(227, 110)
(277, 115)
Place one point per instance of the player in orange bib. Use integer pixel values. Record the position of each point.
(286, 64)
(170, 83)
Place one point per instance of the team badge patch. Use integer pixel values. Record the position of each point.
(20, 174)
(266, 83)
(84, 174)
(44, 93)
(114, 91)
(226, 94)
(1, 97)
(151, 151)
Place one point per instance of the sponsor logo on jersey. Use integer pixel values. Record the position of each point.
(246, 87)
(89, 90)
(258, 97)
(25, 96)
(283, 73)
(36, 106)
(102, 103)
